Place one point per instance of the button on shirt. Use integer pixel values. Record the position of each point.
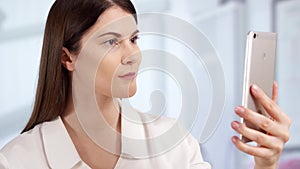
(48, 145)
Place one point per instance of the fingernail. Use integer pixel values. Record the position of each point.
(254, 89)
(275, 83)
(234, 139)
(235, 125)
(240, 110)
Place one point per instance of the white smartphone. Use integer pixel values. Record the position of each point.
(259, 69)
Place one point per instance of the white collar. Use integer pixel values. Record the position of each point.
(134, 133)
(61, 152)
(59, 148)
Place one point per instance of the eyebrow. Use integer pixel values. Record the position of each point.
(117, 34)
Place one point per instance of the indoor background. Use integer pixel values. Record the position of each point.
(224, 22)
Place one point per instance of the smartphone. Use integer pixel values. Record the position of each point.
(259, 69)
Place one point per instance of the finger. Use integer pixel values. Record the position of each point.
(269, 105)
(268, 125)
(262, 152)
(256, 136)
(275, 92)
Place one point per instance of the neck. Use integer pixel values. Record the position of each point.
(88, 148)
(110, 110)
(107, 106)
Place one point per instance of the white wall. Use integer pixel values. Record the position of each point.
(224, 28)
(288, 74)
(21, 31)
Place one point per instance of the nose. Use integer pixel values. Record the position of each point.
(131, 53)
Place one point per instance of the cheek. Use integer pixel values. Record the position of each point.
(106, 74)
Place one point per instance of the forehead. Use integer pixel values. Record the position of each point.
(115, 14)
(114, 19)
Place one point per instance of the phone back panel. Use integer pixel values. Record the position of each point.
(259, 68)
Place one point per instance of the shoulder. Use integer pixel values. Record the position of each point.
(157, 120)
(20, 151)
(3, 162)
(32, 138)
(180, 144)
(157, 125)
(26, 147)
(162, 126)
(24, 142)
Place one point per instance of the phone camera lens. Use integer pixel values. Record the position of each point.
(254, 36)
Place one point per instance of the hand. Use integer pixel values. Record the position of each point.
(270, 145)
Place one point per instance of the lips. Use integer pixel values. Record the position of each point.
(128, 76)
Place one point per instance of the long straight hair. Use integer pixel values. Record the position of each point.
(67, 22)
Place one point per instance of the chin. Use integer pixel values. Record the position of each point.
(130, 92)
(125, 92)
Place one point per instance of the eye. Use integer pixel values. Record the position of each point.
(134, 39)
(112, 42)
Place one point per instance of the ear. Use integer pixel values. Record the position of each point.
(68, 60)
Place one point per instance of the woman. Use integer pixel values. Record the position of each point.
(56, 138)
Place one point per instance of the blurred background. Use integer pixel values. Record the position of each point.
(224, 22)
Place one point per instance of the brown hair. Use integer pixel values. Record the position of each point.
(67, 22)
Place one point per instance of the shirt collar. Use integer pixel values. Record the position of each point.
(61, 152)
(134, 132)
(59, 148)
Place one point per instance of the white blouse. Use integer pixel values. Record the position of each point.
(48, 145)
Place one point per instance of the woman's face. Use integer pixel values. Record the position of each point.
(112, 42)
